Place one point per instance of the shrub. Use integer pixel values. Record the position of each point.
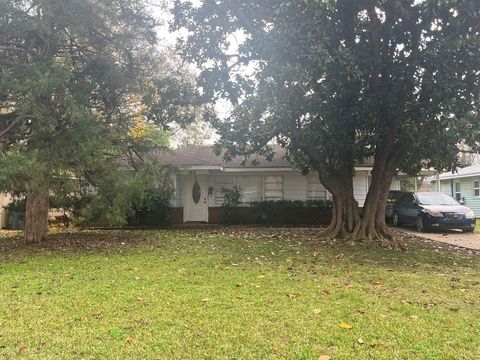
(231, 199)
(152, 209)
(292, 211)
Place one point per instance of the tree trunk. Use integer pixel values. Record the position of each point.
(345, 212)
(348, 222)
(372, 226)
(36, 217)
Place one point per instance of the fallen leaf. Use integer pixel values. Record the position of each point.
(96, 313)
(325, 357)
(345, 325)
(360, 341)
(317, 311)
(205, 300)
(414, 317)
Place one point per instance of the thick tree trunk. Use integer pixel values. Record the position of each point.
(36, 217)
(372, 226)
(345, 212)
(348, 222)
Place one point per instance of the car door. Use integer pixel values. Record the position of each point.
(411, 209)
(404, 208)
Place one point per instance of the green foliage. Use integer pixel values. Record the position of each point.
(338, 82)
(291, 204)
(152, 209)
(232, 196)
(123, 192)
(82, 88)
(340, 76)
(293, 211)
(231, 199)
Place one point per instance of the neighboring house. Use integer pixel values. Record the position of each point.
(5, 199)
(6, 220)
(267, 180)
(463, 185)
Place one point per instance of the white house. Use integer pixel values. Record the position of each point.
(199, 168)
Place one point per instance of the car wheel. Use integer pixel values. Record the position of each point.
(396, 220)
(420, 224)
(468, 230)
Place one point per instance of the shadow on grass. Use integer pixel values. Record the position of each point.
(305, 245)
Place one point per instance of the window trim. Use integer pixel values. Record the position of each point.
(476, 188)
(459, 192)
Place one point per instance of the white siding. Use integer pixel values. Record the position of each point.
(295, 186)
(178, 190)
(315, 189)
(446, 187)
(360, 187)
(468, 195)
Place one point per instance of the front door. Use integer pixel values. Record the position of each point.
(196, 198)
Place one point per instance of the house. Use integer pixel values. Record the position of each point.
(5, 199)
(202, 175)
(463, 185)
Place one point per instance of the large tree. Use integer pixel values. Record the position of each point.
(80, 85)
(337, 82)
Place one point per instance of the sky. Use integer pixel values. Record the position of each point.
(168, 39)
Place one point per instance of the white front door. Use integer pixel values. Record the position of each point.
(196, 198)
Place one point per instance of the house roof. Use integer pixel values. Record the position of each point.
(204, 157)
(468, 171)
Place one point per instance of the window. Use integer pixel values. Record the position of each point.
(273, 187)
(476, 188)
(222, 182)
(315, 190)
(458, 192)
(251, 187)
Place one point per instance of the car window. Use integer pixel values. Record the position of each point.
(405, 199)
(410, 199)
(394, 196)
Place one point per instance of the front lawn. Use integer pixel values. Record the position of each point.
(234, 294)
(477, 229)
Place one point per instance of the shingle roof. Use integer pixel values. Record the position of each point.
(468, 171)
(204, 156)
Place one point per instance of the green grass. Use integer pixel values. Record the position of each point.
(234, 294)
(477, 228)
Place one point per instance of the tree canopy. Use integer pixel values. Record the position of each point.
(81, 84)
(337, 82)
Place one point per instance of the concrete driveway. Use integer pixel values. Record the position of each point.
(453, 237)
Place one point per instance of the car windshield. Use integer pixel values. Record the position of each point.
(436, 199)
